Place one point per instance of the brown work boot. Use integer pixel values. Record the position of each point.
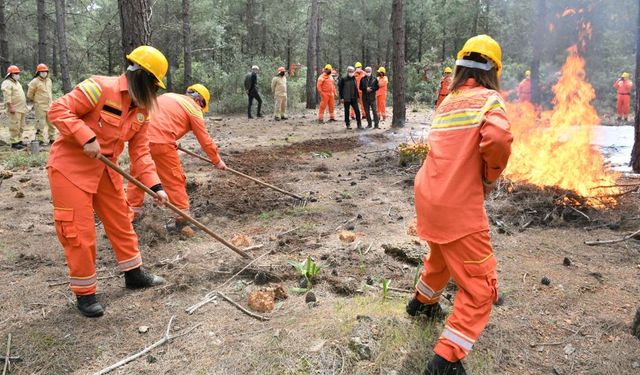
(432, 312)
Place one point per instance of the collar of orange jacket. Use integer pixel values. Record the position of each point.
(122, 83)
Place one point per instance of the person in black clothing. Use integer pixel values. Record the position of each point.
(349, 96)
(251, 86)
(369, 86)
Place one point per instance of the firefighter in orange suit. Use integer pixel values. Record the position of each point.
(359, 74)
(524, 88)
(623, 87)
(445, 83)
(98, 117)
(381, 94)
(470, 144)
(175, 116)
(327, 91)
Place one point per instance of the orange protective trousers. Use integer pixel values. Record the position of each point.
(470, 262)
(327, 100)
(382, 106)
(73, 210)
(169, 168)
(624, 103)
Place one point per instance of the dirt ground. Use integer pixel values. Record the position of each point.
(578, 324)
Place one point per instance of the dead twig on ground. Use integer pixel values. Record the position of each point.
(254, 247)
(287, 232)
(524, 277)
(239, 307)
(376, 151)
(7, 361)
(212, 295)
(165, 339)
(580, 212)
(603, 242)
(368, 249)
(346, 222)
(399, 290)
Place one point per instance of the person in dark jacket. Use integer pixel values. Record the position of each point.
(348, 89)
(368, 87)
(251, 87)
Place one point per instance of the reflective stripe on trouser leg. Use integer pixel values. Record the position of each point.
(112, 208)
(472, 266)
(75, 227)
(434, 277)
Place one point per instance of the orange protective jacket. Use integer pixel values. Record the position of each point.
(383, 82)
(469, 141)
(524, 90)
(100, 107)
(359, 76)
(325, 84)
(445, 83)
(623, 87)
(176, 116)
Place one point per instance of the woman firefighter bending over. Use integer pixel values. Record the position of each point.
(98, 117)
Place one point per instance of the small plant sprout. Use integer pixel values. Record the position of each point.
(385, 288)
(416, 276)
(307, 269)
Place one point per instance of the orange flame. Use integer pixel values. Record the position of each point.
(568, 12)
(553, 148)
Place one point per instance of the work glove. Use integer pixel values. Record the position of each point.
(221, 165)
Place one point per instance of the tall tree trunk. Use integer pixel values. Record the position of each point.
(167, 39)
(635, 153)
(186, 39)
(476, 18)
(62, 45)
(135, 24)
(250, 20)
(41, 10)
(109, 55)
(288, 54)
(397, 32)
(54, 56)
(538, 45)
(311, 55)
(4, 43)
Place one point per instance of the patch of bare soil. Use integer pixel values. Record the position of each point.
(578, 322)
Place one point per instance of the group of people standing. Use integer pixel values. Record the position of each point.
(40, 93)
(361, 93)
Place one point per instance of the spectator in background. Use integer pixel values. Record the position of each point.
(251, 86)
(368, 88)
(348, 89)
(279, 89)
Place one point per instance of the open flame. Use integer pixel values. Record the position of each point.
(553, 148)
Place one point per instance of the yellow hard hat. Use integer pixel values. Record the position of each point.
(200, 89)
(328, 67)
(486, 46)
(358, 65)
(151, 60)
(527, 73)
(382, 70)
(625, 75)
(448, 70)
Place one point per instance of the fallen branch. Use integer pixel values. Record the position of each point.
(625, 238)
(165, 339)
(580, 212)
(287, 232)
(346, 222)
(212, 295)
(254, 247)
(234, 303)
(399, 290)
(376, 151)
(7, 361)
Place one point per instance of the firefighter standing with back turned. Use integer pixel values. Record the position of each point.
(97, 118)
(175, 116)
(623, 88)
(470, 144)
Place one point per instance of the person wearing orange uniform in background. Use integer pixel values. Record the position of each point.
(175, 116)
(445, 83)
(470, 144)
(327, 91)
(381, 94)
(359, 74)
(524, 88)
(623, 86)
(96, 118)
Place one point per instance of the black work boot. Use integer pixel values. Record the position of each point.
(433, 311)
(137, 278)
(17, 146)
(89, 306)
(440, 366)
